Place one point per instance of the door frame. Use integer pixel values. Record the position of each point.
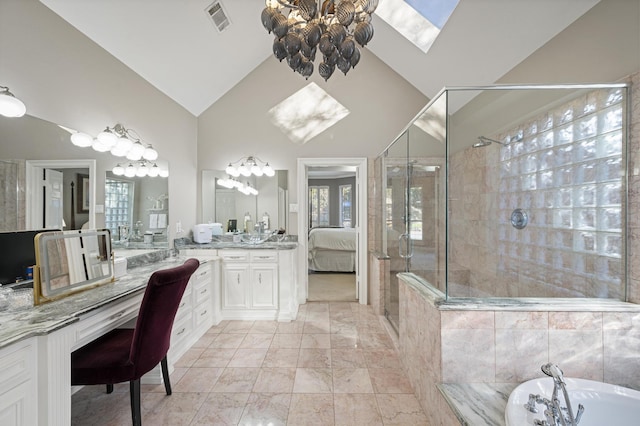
(360, 163)
(33, 197)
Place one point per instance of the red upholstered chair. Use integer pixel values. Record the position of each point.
(127, 354)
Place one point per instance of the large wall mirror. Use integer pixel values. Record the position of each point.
(136, 211)
(220, 204)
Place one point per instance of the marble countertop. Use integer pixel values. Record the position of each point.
(223, 245)
(478, 403)
(24, 322)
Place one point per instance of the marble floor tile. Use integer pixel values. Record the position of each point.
(313, 380)
(351, 380)
(311, 409)
(335, 364)
(356, 409)
(223, 409)
(266, 409)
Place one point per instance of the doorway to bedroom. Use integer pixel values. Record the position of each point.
(332, 215)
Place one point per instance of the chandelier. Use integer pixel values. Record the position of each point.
(10, 106)
(301, 27)
(118, 140)
(140, 168)
(249, 166)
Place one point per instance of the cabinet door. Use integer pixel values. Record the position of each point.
(264, 288)
(234, 289)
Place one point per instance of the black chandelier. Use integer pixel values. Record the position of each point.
(301, 27)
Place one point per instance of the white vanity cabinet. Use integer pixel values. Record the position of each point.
(18, 390)
(196, 312)
(249, 284)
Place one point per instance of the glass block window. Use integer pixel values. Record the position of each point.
(318, 206)
(345, 196)
(566, 169)
(118, 207)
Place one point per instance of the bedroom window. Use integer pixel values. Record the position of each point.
(318, 206)
(345, 206)
(118, 207)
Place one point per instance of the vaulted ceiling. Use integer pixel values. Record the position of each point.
(175, 46)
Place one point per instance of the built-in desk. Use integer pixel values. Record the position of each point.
(36, 342)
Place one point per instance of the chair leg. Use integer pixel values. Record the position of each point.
(110, 388)
(165, 375)
(134, 394)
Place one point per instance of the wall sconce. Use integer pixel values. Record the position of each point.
(10, 106)
(248, 166)
(118, 140)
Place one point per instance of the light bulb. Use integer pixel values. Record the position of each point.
(99, 146)
(256, 170)
(164, 173)
(137, 149)
(108, 138)
(268, 170)
(134, 155)
(232, 171)
(118, 170)
(154, 170)
(150, 154)
(142, 171)
(244, 170)
(130, 171)
(10, 106)
(124, 144)
(82, 140)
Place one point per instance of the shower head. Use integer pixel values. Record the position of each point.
(486, 141)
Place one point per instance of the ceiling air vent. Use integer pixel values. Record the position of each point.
(218, 15)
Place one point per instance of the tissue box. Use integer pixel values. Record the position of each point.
(119, 267)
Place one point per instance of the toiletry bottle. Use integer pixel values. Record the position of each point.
(248, 223)
(265, 220)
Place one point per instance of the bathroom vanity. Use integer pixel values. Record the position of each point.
(256, 281)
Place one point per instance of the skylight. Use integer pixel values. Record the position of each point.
(418, 21)
(307, 113)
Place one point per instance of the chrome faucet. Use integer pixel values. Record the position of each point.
(555, 414)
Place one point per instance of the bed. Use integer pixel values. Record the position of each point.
(332, 249)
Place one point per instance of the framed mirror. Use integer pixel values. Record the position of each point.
(70, 261)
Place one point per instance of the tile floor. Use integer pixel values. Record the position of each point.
(334, 365)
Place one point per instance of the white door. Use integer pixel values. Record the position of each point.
(53, 193)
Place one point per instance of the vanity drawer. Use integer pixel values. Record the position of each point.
(202, 275)
(202, 314)
(234, 256)
(181, 330)
(202, 292)
(92, 326)
(264, 256)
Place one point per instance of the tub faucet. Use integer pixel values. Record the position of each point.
(556, 415)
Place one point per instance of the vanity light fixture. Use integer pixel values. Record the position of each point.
(118, 140)
(10, 106)
(251, 165)
(230, 183)
(140, 168)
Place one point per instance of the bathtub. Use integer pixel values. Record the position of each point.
(603, 403)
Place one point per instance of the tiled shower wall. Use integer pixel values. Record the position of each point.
(12, 195)
(563, 169)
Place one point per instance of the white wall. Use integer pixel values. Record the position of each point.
(65, 78)
(381, 104)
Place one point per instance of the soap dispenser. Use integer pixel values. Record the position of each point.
(265, 220)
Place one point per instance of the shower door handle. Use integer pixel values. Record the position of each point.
(402, 238)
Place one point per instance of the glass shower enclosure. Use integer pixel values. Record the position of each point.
(510, 191)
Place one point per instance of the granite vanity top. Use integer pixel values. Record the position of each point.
(222, 245)
(21, 323)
